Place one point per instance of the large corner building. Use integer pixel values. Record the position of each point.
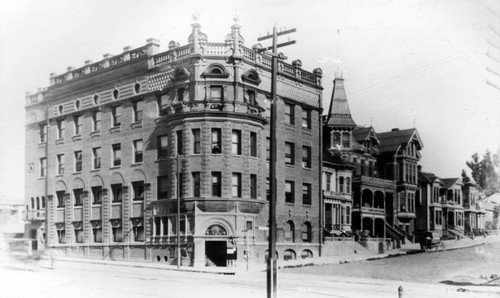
(117, 148)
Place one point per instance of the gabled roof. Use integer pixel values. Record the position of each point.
(361, 134)
(391, 141)
(427, 177)
(339, 114)
(449, 182)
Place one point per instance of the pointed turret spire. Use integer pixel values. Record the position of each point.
(197, 38)
(339, 114)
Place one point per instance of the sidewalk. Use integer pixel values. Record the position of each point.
(409, 248)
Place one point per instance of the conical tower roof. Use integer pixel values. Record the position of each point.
(339, 114)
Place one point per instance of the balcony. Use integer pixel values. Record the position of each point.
(35, 215)
(368, 210)
(405, 216)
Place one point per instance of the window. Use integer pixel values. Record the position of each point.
(306, 118)
(341, 184)
(289, 153)
(96, 157)
(196, 141)
(96, 99)
(180, 94)
(216, 184)
(77, 120)
(162, 188)
(60, 129)
(236, 142)
(196, 184)
(37, 203)
(289, 192)
(348, 215)
(61, 235)
(96, 121)
(117, 230)
(306, 157)
(78, 194)
(181, 180)
(138, 188)
(251, 98)
(289, 114)
(268, 189)
(43, 133)
(96, 231)
(60, 198)
(117, 154)
(157, 226)
(328, 181)
(236, 185)
(138, 229)
(306, 194)
(216, 93)
(78, 228)
(306, 232)
(253, 186)
(60, 164)
(253, 144)
(348, 185)
(97, 194)
(216, 141)
(43, 202)
(268, 149)
(137, 111)
(402, 202)
(346, 140)
(336, 139)
(78, 161)
(180, 142)
(115, 116)
(116, 189)
(137, 151)
(162, 147)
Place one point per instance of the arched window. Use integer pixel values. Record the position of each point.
(43, 202)
(289, 255)
(290, 232)
(32, 203)
(37, 203)
(306, 232)
(306, 253)
(216, 230)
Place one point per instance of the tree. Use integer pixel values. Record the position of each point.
(465, 177)
(485, 171)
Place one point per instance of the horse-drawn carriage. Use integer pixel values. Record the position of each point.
(429, 240)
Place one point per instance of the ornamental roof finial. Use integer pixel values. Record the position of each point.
(196, 16)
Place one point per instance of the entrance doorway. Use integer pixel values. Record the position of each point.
(215, 252)
(34, 240)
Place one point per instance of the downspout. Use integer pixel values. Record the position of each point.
(47, 136)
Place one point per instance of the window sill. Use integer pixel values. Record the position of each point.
(97, 204)
(59, 141)
(59, 175)
(77, 173)
(95, 134)
(114, 129)
(137, 124)
(95, 170)
(289, 204)
(76, 138)
(115, 167)
(137, 164)
(42, 145)
(290, 165)
(79, 206)
(116, 203)
(306, 130)
(307, 169)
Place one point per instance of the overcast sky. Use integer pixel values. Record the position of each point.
(405, 63)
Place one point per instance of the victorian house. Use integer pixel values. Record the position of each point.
(382, 170)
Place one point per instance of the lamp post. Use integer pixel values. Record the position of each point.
(272, 269)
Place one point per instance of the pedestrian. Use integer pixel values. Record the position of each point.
(52, 256)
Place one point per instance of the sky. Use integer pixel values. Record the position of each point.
(405, 63)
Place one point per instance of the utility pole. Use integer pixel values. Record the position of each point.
(272, 268)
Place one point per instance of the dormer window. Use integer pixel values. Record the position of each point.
(346, 140)
(216, 71)
(335, 139)
(251, 77)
